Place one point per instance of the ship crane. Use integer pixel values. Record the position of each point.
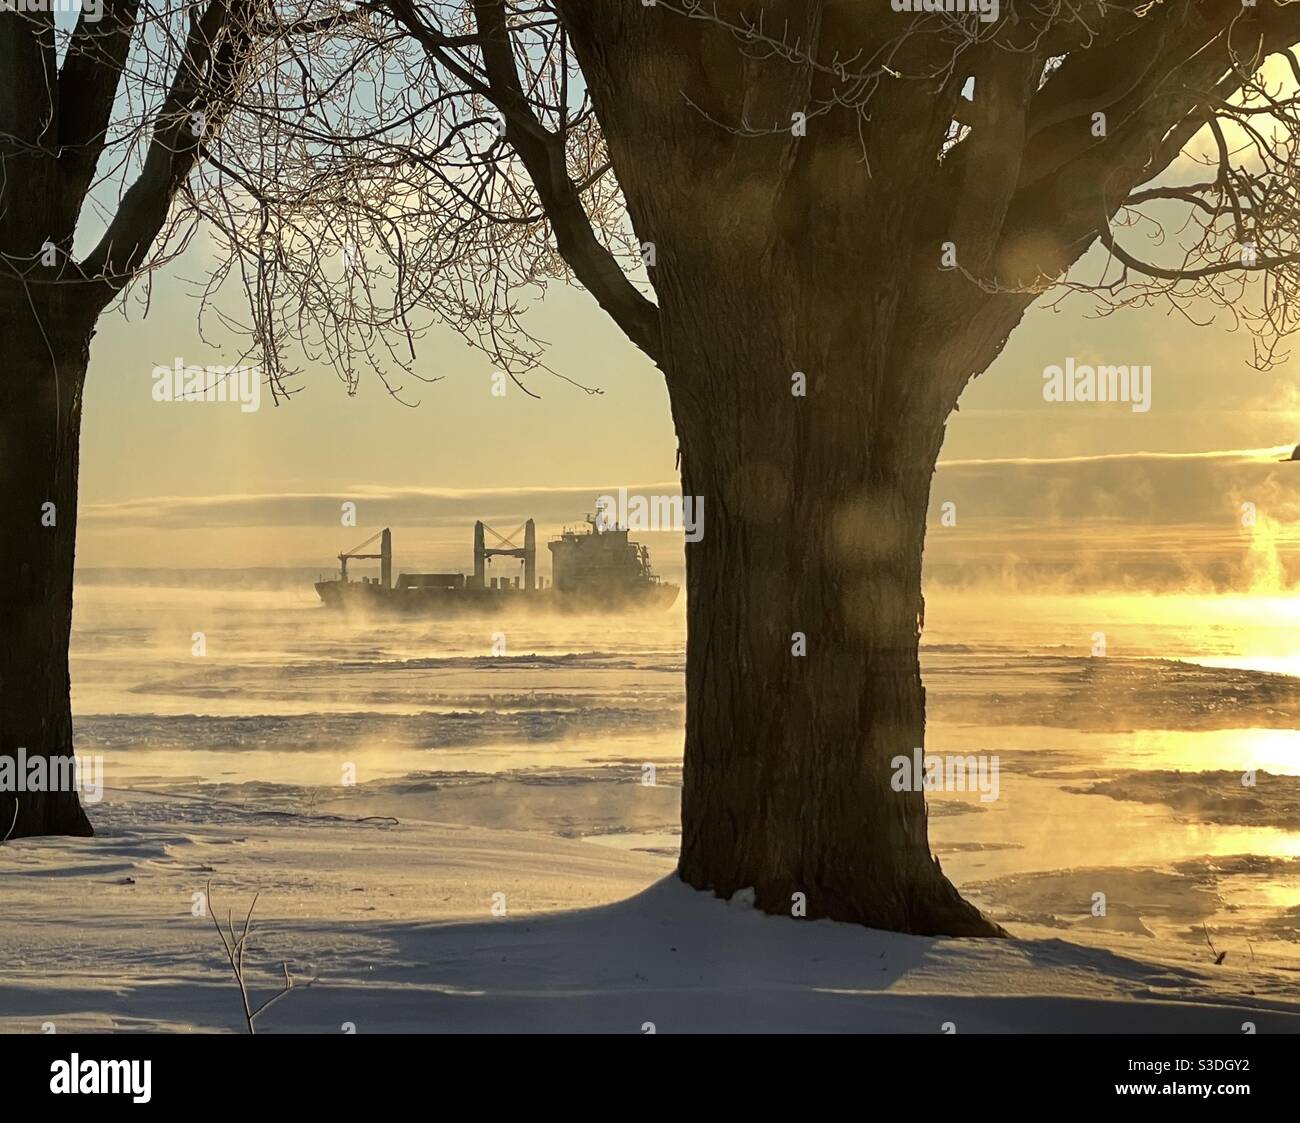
(527, 553)
(384, 557)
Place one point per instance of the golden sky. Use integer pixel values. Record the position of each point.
(1099, 490)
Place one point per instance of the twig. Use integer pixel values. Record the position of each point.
(234, 947)
(1219, 956)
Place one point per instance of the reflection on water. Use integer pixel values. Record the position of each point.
(1205, 629)
(1233, 750)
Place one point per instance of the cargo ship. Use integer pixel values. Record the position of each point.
(596, 570)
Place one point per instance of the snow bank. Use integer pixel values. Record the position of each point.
(399, 928)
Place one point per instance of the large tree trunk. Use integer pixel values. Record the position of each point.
(44, 342)
(785, 245)
(804, 613)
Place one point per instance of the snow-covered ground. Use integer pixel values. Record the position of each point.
(381, 782)
(396, 928)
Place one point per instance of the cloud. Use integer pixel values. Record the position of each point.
(377, 505)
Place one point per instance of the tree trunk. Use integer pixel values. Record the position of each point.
(804, 612)
(792, 241)
(44, 348)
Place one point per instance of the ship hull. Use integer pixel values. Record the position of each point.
(359, 597)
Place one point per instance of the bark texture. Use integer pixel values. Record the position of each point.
(43, 354)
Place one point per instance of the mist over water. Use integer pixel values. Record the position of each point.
(1120, 772)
